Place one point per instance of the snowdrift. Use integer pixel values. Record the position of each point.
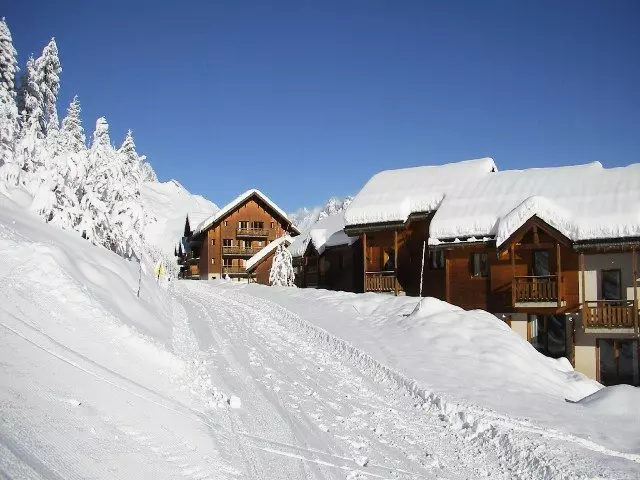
(86, 363)
(469, 357)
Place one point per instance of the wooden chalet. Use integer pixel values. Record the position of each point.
(551, 251)
(221, 245)
(325, 257)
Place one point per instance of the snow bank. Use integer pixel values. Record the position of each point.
(583, 202)
(167, 205)
(392, 195)
(619, 400)
(86, 363)
(468, 357)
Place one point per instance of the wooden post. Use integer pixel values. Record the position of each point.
(634, 261)
(424, 247)
(395, 261)
(447, 274)
(364, 262)
(584, 284)
(512, 253)
(558, 275)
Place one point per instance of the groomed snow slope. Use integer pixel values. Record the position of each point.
(582, 201)
(470, 359)
(168, 205)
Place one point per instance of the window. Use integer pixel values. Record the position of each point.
(227, 242)
(479, 265)
(611, 287)
(226, 223)
(271, 224)
(213, 261)
(547, 334)
(388, 260)
(436, 259)
(258, 225)
(244, 225)
(618, 362)
(227, 262)
(213, 241)
(541, 263)
(246, 244)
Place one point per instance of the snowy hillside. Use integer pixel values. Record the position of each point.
(221, 380)
(166, 205)
(304, 218)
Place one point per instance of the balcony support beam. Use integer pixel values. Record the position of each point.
(559, 274)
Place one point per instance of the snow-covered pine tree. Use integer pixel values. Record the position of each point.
(30, 139)
(8, 108)
(96, 196)
(48, 71)
(282, 273)
(72, 127)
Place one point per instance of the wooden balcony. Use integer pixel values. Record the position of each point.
(252, 232)
(234, 270)
(608, 314)
(240, 251)
(539, 291)
(380, 281)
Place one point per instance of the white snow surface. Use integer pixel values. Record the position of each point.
(327, 232)
(167, 205)
(305, 218)
(234, 203)
(393, 195)
(583, 202)
(253, 261)
(234, 381)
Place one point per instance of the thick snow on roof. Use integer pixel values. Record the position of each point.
(328, 232)
(258, 257)
(583, 202)
(393, 195)
(237, 201)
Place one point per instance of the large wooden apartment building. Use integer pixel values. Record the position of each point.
(551, 251)
(221, 244)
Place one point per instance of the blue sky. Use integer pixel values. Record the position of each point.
(307, 99)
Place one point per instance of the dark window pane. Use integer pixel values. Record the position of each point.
(608, 368)
(538, 334)
(557, 338)
(628, 362)
(484, 264)
(611, 285)
(541, 263)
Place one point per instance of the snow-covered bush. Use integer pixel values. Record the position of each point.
(282, 273)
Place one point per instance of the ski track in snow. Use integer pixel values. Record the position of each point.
(313, 406)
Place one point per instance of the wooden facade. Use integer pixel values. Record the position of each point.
(224, 246)
(337, 268)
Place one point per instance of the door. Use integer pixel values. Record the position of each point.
(541, 263)
(548, 334)
(618, 362)
(611, 285)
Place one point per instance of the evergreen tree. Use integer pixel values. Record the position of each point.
(72, 127)
(8, 109)
(187, 228)
(48, 71)
(282, 273)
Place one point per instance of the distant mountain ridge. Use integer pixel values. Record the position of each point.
(304, 218)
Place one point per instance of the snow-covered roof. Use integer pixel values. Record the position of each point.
(229, 207)
(196, 218)
(327, 232)
(393, 195)
(583, 202)
(264, 253)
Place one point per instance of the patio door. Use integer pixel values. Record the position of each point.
(548, 334)
(611, 285)
(618, 362)
(541, 263)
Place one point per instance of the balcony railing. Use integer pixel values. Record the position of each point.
(252, 232)
(234, 270)
(380, 281)
(251, 251)
(532, 289)
(608, 314)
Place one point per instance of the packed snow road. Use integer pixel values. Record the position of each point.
(304, 410)
(306, 413)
